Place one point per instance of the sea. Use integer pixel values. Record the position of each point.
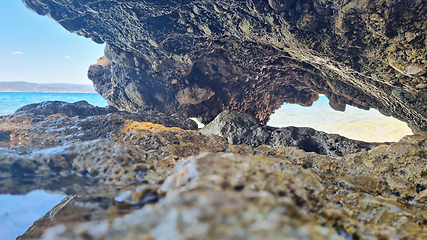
(12, 101)
(18, 212)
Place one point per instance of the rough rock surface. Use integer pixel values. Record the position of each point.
(276, 196)
(137, 173)
(140, 181)
(198, 58)
(51, 124)
(240, 128)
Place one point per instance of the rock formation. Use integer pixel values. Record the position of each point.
(198, 58)
(140, 169)
(141, 180)
(239, 128)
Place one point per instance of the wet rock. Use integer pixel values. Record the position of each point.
(5, 136)
(50, 124)
(99, 158)
(240, 128)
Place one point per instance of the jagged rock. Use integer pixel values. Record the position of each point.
(80, 108)
(276, 197)
(252, 56)
(139, 183)
(50, 124)
(206, 211)
(99, 158)
(199, 58)
(83, 109)
(240, 128)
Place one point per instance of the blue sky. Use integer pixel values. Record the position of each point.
(36, 49)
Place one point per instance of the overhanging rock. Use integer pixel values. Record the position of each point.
(198, 58)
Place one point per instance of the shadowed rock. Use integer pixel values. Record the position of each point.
(200, 58)
(80, 108)
(240, 128)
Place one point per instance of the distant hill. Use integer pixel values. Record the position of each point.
(45, 87)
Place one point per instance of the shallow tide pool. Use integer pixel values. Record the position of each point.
(18, 212)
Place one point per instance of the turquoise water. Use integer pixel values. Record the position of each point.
(18, 212)
(10, 102)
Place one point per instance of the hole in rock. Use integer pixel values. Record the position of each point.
(310, 145)
(354, 123)
(18, 212)
(199, 124)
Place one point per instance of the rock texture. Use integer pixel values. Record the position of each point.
(142, 180)
(137, 171)
(51, 124)
(240, 128)
(198, 58)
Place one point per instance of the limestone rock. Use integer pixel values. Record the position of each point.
(229, 196)
(255, 55)
(197, 207)
(238, 128)
(140, 181)
(197, 59)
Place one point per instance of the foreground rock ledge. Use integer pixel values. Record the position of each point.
(142, 180)
(198, 58)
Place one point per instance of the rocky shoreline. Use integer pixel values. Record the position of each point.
(153, 176)
(140, 169)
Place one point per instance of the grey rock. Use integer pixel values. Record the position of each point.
(240, 128)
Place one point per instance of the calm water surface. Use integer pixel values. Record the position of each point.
(18, 212)
(10, 102)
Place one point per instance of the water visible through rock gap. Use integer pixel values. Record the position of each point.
(140, 174)
(18, 212)
(353, 123)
